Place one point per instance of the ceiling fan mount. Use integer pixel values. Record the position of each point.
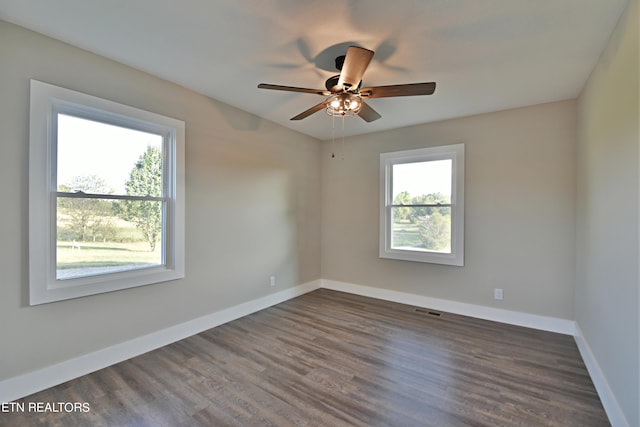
(343, 92)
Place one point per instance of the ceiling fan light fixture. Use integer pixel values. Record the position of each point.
(345, 97)
(343, 104)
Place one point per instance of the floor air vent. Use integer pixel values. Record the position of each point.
(428, 312)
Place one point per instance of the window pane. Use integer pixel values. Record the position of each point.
(422, 182)
(106, 159)
(99, 236)
(421, 229)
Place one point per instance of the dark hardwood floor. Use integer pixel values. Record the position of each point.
(334, 359)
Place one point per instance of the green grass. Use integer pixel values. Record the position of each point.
(406, 235)
(105, 254)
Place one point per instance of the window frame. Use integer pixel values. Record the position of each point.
(454, 152)
(47, 101)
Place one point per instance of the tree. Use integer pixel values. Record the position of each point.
(86, 218)
(402, 214)
(145, 179)
(435, 231)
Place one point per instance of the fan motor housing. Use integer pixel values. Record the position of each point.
(332, 83)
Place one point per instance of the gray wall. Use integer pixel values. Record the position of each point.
(607, 297)
(252, 208)
(519, 203)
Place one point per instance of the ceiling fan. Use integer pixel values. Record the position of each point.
(343, 91)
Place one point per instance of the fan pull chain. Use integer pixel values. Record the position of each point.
(342, 150)
(333, 136)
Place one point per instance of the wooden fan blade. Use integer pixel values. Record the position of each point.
(410, 89)
(367, 113)
(293, 89)
(310, 111)
(355, 64)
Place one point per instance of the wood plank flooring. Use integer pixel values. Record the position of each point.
(333, 359)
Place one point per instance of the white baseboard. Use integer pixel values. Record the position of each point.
(610, 403)
(32, 382)
(545, 323)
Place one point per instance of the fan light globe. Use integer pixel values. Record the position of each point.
(343, 104)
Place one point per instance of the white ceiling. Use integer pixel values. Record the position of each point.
(485, 55)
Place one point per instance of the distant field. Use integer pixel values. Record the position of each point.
(409, 236)
(406, 235)
(105, 254)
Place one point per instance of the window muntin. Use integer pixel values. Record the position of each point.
(422, 199)
(98, 172)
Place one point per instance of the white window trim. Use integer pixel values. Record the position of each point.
(48, 100)
(455, 152)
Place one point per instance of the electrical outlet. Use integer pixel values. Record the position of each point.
(273, 281)
(498, 294)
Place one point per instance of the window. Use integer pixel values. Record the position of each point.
(106, 196)
(422, 205)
